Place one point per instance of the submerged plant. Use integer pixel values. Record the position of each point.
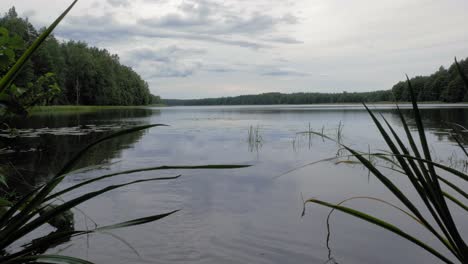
(427, 179)
(43, 204)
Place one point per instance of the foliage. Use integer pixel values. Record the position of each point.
(8, 46)
(425, 176)
(40, 207)
(85, 75)
(443, 85)
(16, 99)
(294, 98)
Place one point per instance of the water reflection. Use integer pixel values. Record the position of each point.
(237, 216)
(49, 140)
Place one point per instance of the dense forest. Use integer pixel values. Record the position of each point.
(91, 76)
(84, 75)
(294, 98)
(445, 85)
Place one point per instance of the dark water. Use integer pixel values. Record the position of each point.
(250, 215)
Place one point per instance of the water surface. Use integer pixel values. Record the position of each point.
(250, 215)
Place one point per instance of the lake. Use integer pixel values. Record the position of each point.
(250, 215)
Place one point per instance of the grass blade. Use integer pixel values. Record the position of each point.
(197, 167)
(12, 235)
(6, 81)
(69, 165)
(48, 259)
(136, 222)
(52, 239)
(454, 187)
(456, 201)
(383, 224)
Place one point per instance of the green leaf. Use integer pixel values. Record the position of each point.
(4, 202)
(7, 80)
(3, 180)
(197, 167)
(135, 222)
(383, 224)
(12, 234)
(456, 201)
(69, 165)
(56, 259)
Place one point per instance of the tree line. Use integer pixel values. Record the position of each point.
(281, 98)
(445, 85)
(84, 75)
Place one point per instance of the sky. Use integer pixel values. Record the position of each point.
(214, 48)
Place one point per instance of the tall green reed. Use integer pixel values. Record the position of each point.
(428, 179)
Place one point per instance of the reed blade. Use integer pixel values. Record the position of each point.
(9, 77)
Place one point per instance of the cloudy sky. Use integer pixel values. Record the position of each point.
(211, 48)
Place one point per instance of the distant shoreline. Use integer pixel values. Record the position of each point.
(95, 108)
(342, 103)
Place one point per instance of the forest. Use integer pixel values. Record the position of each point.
(445, 85)
(83, 75)
(293, 98)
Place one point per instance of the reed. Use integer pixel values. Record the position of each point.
(254, 138)
(427, 177)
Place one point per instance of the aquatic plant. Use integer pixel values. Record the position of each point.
(43, 205)
(254, 138)
(427, 177)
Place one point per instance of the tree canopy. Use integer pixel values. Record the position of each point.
(85, 75)
(294, 98)
(443, 85)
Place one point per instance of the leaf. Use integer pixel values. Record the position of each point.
(136, 222)
(13, 233)
(7, 80)
(69, 165)
(4, 202)
(383, 224)
(56, 259)
(196, 167)
(456, 201)
(3, 180)
(57, 237)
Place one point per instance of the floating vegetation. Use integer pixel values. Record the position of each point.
(60, 131)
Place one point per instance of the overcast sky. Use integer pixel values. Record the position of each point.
(210, 48)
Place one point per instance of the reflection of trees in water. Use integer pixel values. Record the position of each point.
(438, 122)
(65, 119)
(51, 152)
(445, 125)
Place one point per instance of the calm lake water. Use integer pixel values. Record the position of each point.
(250, 215)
